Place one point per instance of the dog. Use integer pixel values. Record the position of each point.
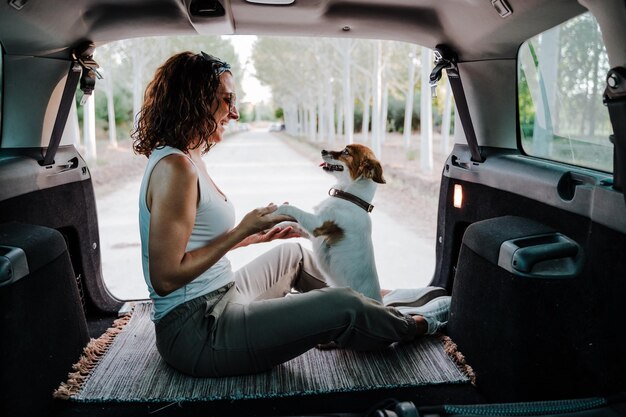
(340, 227)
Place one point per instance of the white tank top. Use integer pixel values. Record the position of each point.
(215, 215)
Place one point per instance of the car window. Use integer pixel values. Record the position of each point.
(561, 75)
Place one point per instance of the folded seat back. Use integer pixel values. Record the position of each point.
(42, 323)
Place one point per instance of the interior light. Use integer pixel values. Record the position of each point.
(458, 196)
(272, 2)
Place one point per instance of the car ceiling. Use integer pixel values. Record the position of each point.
(473, 28)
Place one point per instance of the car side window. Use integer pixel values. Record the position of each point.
(561, 78)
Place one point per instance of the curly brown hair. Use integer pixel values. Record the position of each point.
(177, 106)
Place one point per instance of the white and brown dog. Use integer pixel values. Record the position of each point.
(341, 229)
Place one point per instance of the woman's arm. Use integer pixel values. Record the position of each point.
(172, 199)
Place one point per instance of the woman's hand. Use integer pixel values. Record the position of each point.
(260, 220)
(276, 232)
(259, 226)
(280, 232)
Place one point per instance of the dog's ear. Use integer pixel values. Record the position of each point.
(373, 170)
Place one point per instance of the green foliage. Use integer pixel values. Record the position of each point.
(79, 108)
(122, 102)
(130, 64)
(279, 113)
(263, 111)
(358, 116)
(395, 114)
(246, 112)
(526, 106)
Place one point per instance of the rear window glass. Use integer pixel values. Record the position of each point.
(295, 97)
(561, 75)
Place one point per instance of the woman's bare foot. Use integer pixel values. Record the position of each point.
(434, 314)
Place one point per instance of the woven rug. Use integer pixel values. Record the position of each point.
(124, 365)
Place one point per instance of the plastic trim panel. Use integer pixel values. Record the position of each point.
(20, 172)
(577, 190)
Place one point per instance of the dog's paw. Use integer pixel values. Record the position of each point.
(283, 209)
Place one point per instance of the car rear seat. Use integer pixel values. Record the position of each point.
(519, 303)
(42, 323)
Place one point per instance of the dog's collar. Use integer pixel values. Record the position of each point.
(333, 192)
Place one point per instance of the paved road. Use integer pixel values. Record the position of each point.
(254, 168)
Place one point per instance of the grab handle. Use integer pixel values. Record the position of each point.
(13, 265)
(551, 255)
(524, 259)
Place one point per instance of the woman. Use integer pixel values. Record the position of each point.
(209, 320)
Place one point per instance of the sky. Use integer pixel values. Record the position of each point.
(254, 91)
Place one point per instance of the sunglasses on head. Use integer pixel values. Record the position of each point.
(218, 66)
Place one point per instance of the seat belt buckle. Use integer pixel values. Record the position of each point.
(444, 59)
(614, 98)
(615, 83)
(89, 70)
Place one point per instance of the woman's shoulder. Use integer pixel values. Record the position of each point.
(161, 152)
(177, 165)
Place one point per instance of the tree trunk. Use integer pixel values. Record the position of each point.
(549, 67)
(288, 113)
(293, 118)
(376, 102)
(330, 110)
(593, 99)
(138, 66)
(75, 125)
(365, 126)
(408, 105)
(89, 128)
(348, 100)
(340, 131)
(445, 123)
(295, 122)
(305, 121)
(384, 113)
(548, 57)
(321, 117)
(539, 142)
(108, 86)
(426, 114)
(312, 123)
